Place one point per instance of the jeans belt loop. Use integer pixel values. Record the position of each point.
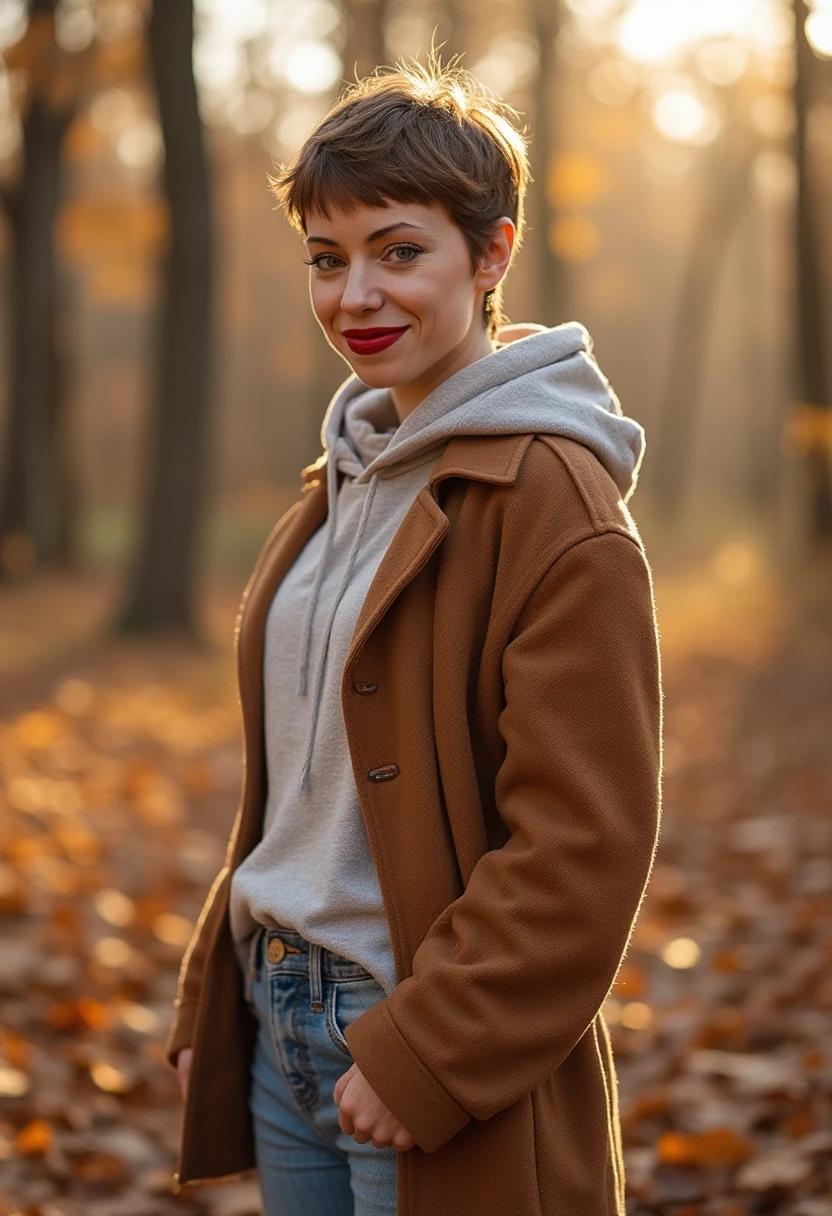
(315, 977)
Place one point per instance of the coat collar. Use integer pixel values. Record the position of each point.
(490, 458)
(494, 458)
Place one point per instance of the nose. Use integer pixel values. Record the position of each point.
(360, 293)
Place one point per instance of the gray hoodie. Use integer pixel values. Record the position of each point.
(313, 870)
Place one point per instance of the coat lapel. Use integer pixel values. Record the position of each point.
(414, 541)
(477, 457)
(492, 458)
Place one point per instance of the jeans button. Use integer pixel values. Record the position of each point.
(276, 950)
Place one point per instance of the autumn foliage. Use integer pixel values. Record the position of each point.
(118, 788)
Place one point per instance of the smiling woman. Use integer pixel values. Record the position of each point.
(449, 678)
(373, 148)
(416, 299)
(407, 267)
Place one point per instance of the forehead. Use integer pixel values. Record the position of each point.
(361, 219)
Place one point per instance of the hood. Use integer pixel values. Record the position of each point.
(547, 382)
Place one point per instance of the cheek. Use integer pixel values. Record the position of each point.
(437, 297)
(324, 300)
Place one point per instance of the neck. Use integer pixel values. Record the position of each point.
(474, 346)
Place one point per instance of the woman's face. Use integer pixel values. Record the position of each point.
(395, 294)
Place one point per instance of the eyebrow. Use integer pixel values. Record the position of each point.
(374, 236)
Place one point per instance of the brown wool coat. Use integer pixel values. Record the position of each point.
(510, 631)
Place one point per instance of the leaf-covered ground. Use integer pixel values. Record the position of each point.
(723, 1007)
(119, 773)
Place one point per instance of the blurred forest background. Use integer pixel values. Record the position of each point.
(163, 381)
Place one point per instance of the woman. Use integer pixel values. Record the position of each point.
(449, 678)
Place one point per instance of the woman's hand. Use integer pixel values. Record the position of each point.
(183, 1068)
(364, 1116)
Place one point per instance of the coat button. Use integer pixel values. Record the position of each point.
(365, 689)
(386, 773)
(276, 950)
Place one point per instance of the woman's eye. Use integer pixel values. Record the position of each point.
(400, 255)
(320, 258)
(410, 252)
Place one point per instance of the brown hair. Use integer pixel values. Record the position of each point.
(417, 134)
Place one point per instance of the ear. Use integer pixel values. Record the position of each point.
(496, 258)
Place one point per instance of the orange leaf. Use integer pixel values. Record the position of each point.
(93, 1013)
(726, 961)
(102, 1171)
(34, 1139)
(813, 1059)
(800, 1124)
(716, 1146)
(15, 1049)
(63, 1015)
(675, 1149)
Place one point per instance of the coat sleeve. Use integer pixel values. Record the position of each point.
(512, 974)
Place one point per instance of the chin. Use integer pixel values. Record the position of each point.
(377, 374)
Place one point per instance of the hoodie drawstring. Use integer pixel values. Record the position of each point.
(317, 684)
(332, 495)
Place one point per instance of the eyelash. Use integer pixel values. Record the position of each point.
(390, 249)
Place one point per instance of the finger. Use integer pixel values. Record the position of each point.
(342, 1082)
(362, 1134)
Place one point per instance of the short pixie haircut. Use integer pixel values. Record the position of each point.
(415, 134)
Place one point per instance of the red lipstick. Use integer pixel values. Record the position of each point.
(370, 341)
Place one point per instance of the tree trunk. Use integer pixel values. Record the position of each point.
(551, 288)
(34, 480)
(763, 412)
(163, 581)
(813, 376)
(727, 193)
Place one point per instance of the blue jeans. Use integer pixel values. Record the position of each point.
(303, 1001)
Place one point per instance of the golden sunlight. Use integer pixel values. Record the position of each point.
(657, 31)
(681, 115)
(819, 29)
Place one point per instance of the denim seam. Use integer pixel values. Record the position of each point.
(332, 1025)
(310, 1098)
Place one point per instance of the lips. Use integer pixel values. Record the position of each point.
(370, 341)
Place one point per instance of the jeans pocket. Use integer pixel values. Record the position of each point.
(345, 1001)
